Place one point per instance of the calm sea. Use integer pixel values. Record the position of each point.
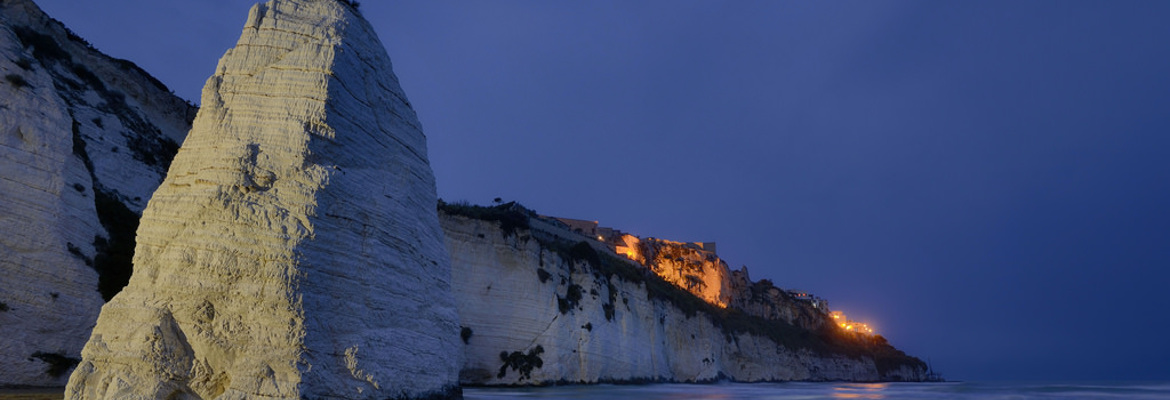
(786, 391)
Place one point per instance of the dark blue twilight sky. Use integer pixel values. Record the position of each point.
(987, 182)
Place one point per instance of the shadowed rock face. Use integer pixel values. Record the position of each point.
(84, 141)
(294, 249)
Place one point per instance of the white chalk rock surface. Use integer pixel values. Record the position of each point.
(293, 250)
(531, 315)
(84, 141)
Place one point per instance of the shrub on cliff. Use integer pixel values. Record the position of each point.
(521, 362)
(571, 300)
(24, 64)
(59, 364)
(511, 216)
(465, 334)
(17, 81)
(44, 48)
(115, 255)
(582, 251)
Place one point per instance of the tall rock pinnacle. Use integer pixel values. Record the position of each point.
(293, 250)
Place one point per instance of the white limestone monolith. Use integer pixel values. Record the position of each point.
(293, 250)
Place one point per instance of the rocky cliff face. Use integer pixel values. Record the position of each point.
(702, 273)
(293, 250)
(540, 305)
(84, 141)
(698, 271)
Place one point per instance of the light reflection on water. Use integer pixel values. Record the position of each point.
(859, 391)
(838, 390)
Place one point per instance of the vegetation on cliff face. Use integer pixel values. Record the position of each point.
(828, 339)
(510, 218)
(58, 364)
(465, 334)
(115, 254)
(146, 142)
(523, 363)
(114, 261)
(16, 81)
(572, 298)
(73, 81)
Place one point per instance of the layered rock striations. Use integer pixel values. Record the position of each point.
(542, 305)
(698, 271)
(702, 273)
(84, 141)
(293, 250)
